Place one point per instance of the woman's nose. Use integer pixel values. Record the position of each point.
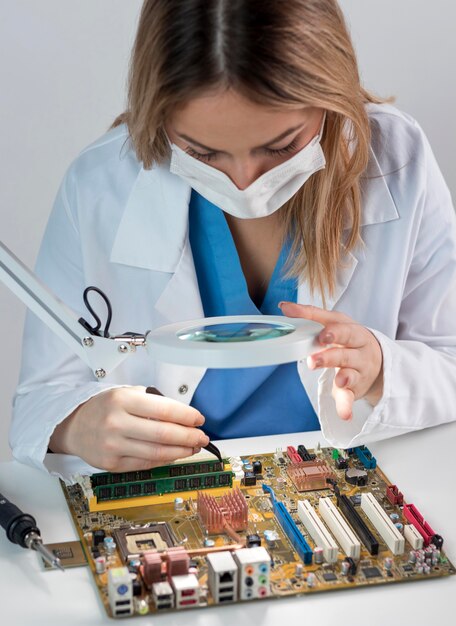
(244, 173)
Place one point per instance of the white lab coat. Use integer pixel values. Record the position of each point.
(125, 230)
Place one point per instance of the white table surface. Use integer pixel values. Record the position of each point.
(422, 464)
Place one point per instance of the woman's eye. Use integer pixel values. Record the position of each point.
(207, 156)
(286, 150)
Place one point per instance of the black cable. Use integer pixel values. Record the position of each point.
(95, 330)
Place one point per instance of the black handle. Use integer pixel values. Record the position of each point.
(16, 523)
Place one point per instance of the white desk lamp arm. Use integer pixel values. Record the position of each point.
(101, 354)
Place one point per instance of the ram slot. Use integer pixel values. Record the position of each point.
(342, 531)
(385, 527)
(317, 531)
(358, 524)
(290, 529)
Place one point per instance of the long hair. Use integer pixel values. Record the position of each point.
(275, 52)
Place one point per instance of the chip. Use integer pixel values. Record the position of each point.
(372, 572)
(70, 553)
(329, 576)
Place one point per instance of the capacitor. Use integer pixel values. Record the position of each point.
(394, 517)
(209, 543)
(426, 569)
(310, 579)
(107, 541)
(281, 482)
(345, 568)
(412, 556)
(98, 536)
(399, 526)
(179, 504)
(257, 467)
(419, 569)
(100, 564)
(271, 537)
(388, 562)
(248, 467)
(134, 564)
(111, 547)
(318, 555)
(298, 570)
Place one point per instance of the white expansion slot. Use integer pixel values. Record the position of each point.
(413, 537)
(317, 530)
(343, 533)
(385, 527)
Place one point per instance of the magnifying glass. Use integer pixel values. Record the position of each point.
(234, 341)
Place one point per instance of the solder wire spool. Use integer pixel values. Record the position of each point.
(234, 341)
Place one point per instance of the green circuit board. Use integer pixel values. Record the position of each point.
(289, 546)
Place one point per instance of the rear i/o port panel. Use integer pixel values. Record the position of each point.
(200, 536)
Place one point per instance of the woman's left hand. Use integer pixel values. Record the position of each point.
(352, 349)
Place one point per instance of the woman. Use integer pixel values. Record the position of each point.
(251, 169)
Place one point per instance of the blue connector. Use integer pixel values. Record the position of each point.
(366, 458)
(290, 529)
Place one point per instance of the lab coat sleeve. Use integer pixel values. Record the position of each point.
(53, 381)
(419, 364)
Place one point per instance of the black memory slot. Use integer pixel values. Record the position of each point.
(358, 524)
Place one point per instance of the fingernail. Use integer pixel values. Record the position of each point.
(196, 450)
(199, 420)
(327, 338)
(314, 362)
(344, 382)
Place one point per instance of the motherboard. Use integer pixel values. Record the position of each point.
(203, 532)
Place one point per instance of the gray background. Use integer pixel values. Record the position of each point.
(63, 67)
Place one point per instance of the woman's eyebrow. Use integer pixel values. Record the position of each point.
(265, 145)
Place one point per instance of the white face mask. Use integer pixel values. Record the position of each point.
(265, 195)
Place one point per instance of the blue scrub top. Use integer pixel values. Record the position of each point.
(243, 402)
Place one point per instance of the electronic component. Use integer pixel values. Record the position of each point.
(230, 509)
(186, 591)
(342, 531)
(310, 475)
(394, 495)
(384, 526)
(293, 455)
(291, 530)
(355, 476)
(98, 536)
(249, 479)
(257, 467)
(413, 537)
(304, 454)
(350, 566)
(341, 463)
(120, 592)
(70, 554)
(317, 530)
(254, 565)
(357, 523)
(329, 577)
(222, 577)
(413, 516)
(252, 541)
(365, 456)
(371, 572)
(133, 542)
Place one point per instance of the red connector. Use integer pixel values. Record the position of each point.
(412, 515)
(293, 455)
(394, 495)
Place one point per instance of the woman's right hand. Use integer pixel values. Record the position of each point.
(126, 429)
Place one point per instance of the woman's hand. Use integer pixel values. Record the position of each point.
(125, 429)
(351, 348)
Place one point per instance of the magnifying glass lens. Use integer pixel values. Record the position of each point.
(236, 332)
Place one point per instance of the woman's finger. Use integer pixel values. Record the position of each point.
(166, 433)
(314, 313)
(157, 407)
(344, 399)
(347, 378)
(154, 452)
(343, 334)
(336, 357)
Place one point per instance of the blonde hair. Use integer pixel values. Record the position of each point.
(275, 52)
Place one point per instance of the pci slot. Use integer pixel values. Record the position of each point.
(366, 458)
(413, 516)
(290, 529)
(342, 531)
(413, 536)
(385, 527)
(317, 531)
(358, 524)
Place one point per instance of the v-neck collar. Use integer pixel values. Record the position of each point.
(222, 282)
